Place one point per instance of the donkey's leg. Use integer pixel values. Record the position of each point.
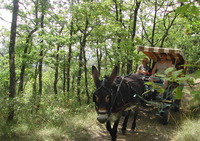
(134, 120)
(124, 125)
(114, 130)
(108, 127)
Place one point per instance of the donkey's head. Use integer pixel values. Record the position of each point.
(102, 97)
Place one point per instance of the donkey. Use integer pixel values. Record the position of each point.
(116, 96)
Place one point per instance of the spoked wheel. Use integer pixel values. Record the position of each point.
(166, 116)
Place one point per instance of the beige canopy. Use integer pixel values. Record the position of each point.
(175, 55)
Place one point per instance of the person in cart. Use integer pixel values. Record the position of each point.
(143, 69)
(161, 66)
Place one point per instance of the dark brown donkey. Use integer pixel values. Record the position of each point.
(116, 96)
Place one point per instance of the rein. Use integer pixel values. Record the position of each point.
(114, 99)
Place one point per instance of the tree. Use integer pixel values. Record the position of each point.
(156, 28)
(133, 33)
(27, 46)
(12, 59)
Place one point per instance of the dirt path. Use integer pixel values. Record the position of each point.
(149, 128)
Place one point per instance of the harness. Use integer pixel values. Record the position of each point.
(102, 86)
(126, 106)
(114, 99)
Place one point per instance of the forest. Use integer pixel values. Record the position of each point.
(48, 49)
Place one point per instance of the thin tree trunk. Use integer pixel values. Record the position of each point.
(69, 57)
(23, 67)
(34, 91)
(35, 81)
(57, 66)
(12, 59)
(118, 17)
(40, 73)
(68, 64)
(86, 76)
(167, 31)
(28, 40)
(56, 72)
(40, 65)
(64, 75)
(81, 57)
(99, 57)
(154, 25)
(79, 73)
(130, 61)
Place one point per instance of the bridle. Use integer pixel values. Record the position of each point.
(110, 91)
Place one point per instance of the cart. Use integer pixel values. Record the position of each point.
(167, 101)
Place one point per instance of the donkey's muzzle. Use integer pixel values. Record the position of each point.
(102, 115)
(102, 118)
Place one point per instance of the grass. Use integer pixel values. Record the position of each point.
(61, 125)
(189, 131)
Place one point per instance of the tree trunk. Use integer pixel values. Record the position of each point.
(86, 76)
(64, 75)
(167, 30)
(69, 57)
(12, 59)
(130, 61)
(23, 66)
(118, 17)
(34, 91)
(28, 40)
(80, 71)
(40, 74)
(81, 56)
(56, 71)
(40, 65)
(99, 57)
(154, 25)
(57, 65)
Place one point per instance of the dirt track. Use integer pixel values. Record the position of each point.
(149, 128)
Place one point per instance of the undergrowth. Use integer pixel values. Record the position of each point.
(53, 121)
(189, 130)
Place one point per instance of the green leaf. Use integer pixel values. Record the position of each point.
(177, 73)
(168, 70)
(182, 9)
(194, 10)
(160, 89)
(182, 0)
(160, 75)
(149, 83)
(178, 93)
(181, 79)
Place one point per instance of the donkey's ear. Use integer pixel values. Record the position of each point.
(95, 75)
(114, 74)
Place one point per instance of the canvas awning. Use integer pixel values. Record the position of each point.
(175, 55)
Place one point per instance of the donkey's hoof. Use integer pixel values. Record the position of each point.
(132, 130)
(114, 139)
(123, 132)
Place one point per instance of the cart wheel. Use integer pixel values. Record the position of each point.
(176, 105)
(166, 116)
(176, 109)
